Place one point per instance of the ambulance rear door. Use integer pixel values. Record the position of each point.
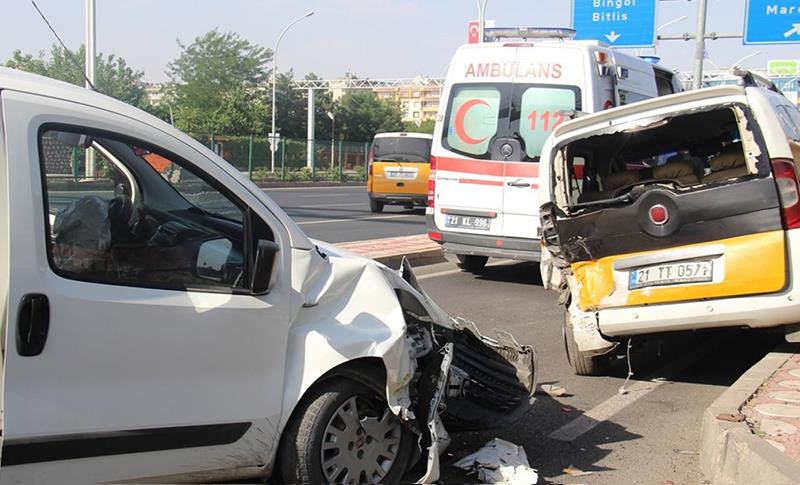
(549, 81)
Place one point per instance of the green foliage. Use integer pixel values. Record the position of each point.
(361, 174)
(424, 127)
(218, 83)
(361, 114)
(113, 76)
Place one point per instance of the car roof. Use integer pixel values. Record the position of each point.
(608, 117)
(24, 82)
(404, 134)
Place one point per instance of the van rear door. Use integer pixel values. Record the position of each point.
(672, 207)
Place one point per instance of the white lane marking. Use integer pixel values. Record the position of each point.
(322, 196)
(285, 189)
(607, 409)
(354, 219)
(439, 273)
(325, 205)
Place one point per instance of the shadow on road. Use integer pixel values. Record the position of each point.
(548, 456)
(526, 273)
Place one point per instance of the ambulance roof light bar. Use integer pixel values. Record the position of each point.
(497, 33)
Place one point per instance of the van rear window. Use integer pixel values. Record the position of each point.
(688, 150)
(479, 114)
(541, 111)
(473, 119)
(402, 149)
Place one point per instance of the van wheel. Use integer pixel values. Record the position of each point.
(376, 205)
(344, 432)
(472, 263)
(583, 363)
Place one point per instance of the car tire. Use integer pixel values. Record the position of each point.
(583, 363)
(376, 206)
(473, 264)
(326, 413)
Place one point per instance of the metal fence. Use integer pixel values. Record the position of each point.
(330, 160)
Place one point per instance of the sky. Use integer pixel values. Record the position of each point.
(379, 39)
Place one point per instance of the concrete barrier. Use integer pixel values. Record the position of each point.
(730, 453)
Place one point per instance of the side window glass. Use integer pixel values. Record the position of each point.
(541, 112)
(792, 120)
(472, 119)
(139, 217)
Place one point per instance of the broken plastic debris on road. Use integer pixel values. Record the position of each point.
(500, 462)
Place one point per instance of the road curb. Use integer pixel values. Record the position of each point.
(417, 258)
(730, 453)
(419, 250)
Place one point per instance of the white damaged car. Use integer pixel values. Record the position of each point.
(166, 321)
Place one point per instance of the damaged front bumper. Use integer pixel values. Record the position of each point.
(462, 380)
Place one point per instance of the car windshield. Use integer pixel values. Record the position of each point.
(402, 149)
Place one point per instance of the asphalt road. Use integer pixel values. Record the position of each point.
(649, 435)
(341, 214)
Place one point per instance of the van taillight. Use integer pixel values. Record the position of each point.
(370, 159)
(432, 182)
(785, 173)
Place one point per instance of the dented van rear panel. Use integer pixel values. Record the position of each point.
(678, 210)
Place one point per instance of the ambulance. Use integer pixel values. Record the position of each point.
(500, 102)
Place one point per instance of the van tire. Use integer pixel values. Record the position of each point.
(473, 264)
(376, 206)
(300, 456)
(583, 363)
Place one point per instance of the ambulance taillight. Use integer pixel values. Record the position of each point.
(432, 182)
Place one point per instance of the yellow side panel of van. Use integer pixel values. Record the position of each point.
(753, 264)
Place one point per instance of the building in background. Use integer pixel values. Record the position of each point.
(418, 99)
(155, 92)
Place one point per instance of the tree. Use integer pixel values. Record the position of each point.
(218, 83)
(290, 108)
(113, 76)
(361, 114)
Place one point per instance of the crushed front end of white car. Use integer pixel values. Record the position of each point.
(442, 374)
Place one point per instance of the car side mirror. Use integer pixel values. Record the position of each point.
(266, 252)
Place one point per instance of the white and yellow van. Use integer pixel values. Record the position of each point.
(399, 166)
(500, 102)
(677, 213)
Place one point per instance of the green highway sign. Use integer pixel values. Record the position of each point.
(783, 67)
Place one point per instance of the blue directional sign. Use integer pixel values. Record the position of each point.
(772, 22)
(619, 23)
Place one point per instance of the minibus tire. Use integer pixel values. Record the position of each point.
(301, 452)
(583, 363)
(472, 263)
(376, 206)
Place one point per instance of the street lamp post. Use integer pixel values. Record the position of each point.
(333, 132)
(89, 168)
(481, 18)
(275, 80)
(671, 22)
(700, 44)
(748, 56)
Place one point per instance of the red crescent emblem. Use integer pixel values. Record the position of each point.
(459, 123)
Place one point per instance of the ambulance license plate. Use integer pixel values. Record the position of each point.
(467, 222)
(671, 274)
